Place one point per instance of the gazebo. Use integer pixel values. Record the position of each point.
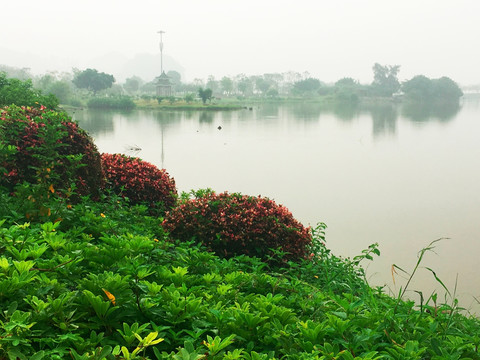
(164, 85)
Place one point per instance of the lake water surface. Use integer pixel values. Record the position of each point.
(386, 174)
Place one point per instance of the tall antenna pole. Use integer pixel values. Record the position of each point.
(161, 50)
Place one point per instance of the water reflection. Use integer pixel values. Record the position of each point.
(268, 110)
(227, 116)
(96, 122)
(206, 117)
(384, 119)
(346, 111)
(305, 111)
(423, 112)
(169, 117)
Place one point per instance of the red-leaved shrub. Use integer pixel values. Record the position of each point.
(234, 224)
(139, 181)
(50, 147)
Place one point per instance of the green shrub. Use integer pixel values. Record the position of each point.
(22, 93)
(119, 102)
(139, 181)
(50, 149)
(234, 224)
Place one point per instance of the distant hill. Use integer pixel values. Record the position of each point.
(145, 66)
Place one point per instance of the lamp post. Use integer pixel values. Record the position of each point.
(161, 32)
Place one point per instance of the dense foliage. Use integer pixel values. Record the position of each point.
(307, 86)
(221, 93)
(385, 79)
(93, 80)
(117, 102)
(235, 224)
(107, 283)
(49, 149)
(22, 93)
(205, 95)
(422, 89)
(139, 181)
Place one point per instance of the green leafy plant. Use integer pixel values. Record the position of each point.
(22, 93)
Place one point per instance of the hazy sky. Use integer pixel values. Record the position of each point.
(329, 39)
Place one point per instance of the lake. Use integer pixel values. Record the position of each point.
(389, 174)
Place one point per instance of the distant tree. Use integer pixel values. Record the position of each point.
(245, 85)
(22, 93)
(212, 84)
(175, 77)
(132, 84)
(272, 93)
(385, 79)
(227, 85)
(446, 89)
(422, 89)
(45, 81)
(115, 90)
(347, 81)
(307, 86)
(292, 76)
(148, 88)
(262, 85)
(418, 88)
(346, 90)
(274, 79)
(62, 90)
(205, 94)
(189, 98)
(17, 73)
(198, 82)
(92, 80)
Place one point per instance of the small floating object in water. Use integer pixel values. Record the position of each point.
(133, 148)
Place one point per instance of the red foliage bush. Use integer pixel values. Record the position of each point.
(49, 145)
(139, 181)
(234, 224)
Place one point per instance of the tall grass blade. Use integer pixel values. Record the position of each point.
(421, 253)
(438, 280)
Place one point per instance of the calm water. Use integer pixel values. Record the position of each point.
(401, 177)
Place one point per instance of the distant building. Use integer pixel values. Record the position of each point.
(164, 85)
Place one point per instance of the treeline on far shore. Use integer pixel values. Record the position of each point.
(94, 89)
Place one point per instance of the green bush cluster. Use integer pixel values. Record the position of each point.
(118, 102)
(22, 93)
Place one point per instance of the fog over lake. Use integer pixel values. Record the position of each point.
(398, 176)
(328, 39)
